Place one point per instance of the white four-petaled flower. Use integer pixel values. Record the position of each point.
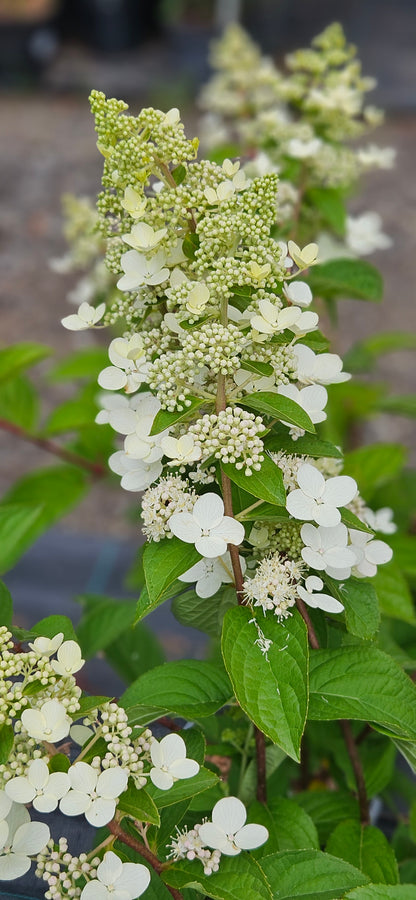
(129, 367)
(170, 762)
(49, 723)
(86, 317)
(139, 270)
(324, 368)
(116, 880)
(228, 832)
(298, 292)
(303, 258)
(318, 500)
(326, 549)
(182, 450)
(69, 659)
(369, 553)
(207, 527)
(272, 319)
(47, 646)
(210, 574)
(93, 793)
(43, 788)
(312, 398)
(143, 237)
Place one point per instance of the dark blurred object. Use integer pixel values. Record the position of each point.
(109, 26)
(28, 38)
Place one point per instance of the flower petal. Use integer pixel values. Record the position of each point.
(378, 552)
(210, 546)
(74, 803)
(110, 868)
(14, 865)
(185, 527)
(229, 814)
(311, 481)
(184, 768)
(100, 812)
(340, 490)
(326, 515)
(112, 782)
(20, 790)
(300, 506)
(134, 879)
(208, 510)
(251, 836)
(31, 838)
(112, 379)
(173, 748)
(95, 890)
(229, 530)
(161, 780)
(214, 837)
(83, 777)
(156, 754)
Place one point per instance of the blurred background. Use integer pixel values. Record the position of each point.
(52, 52)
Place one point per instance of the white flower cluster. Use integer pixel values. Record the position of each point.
(172, 494)
(232, 436)
(274, 585)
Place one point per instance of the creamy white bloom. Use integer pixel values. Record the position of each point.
(181, 451)
(228, 832)
(69, 659)
(304, 258)
(224, 191)
(137, 417)
(197, 298)
(92, 793)
(136, 474)
(129, 368)
(207, 527)
(134, 203)
(364, 234)
(143, 237)
(380, 520)
(324, 368)
(39, 786)
(116, 880)
(110, 403)
(210, 574)
(318, 499)
(86, 317)
(49, 723)
(47, 646)
(139, 270)
(252, 382)
(326, 550)
(299, 149)
(375, 157)
(272, 320)
(312, 399)
(370, 553)
(313, 596)
(170, 762)
(19, 840)
(298, 292)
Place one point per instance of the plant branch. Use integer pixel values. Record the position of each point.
(147, 854)
(97, 470)
(345, 726)
(353, 754)
(261, 793)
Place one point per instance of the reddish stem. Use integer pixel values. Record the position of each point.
(97, 470)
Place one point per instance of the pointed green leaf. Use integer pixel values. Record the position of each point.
(351, 278)
(309, 875)
(164, 419)
(393, 593)
(307, 444)
(279, 407)
(362, 614)
(188, 688)
(236, 874)
(259, 368)
(164, 561)
(289, 826)
(327, 808)
(6, 606)
(139, 805)
(19, 403)
(266, 484)
(145, 605)
(6, 742)
(372, 466)
(52, 625)
(382, 892)
(103, 620)
(21, 356)
(272, 687)
(367, 848)
(18, 522)
(53, 490)
(195, 612)
(352, 521)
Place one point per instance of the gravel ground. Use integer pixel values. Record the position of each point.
(49, 148)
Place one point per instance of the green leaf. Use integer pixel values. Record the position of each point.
(52, 625)
(363, 355)
(184, 789)
(367, 849)
(309, 875)
(404, 552)
(362, 614)
(266, 483)
(145, 605)
(19, 403)
(352, 521)
(235, 874)
(289, 826)
(164, 419)
(18, 521)
(374, 465)
(59, 763)
(401, 405)
(266, 512)
(6, 606)
(363, 684)
(103, 620)
(195, 612)
(21, 356)
(80, 364)
(190, 244)
(56, 489)
(134, 652)
(326, 808)
(393, 593)
(188, 688)
(272, 687)
(307, 444)
(381, 892)
(163, 562)
(87, 703)
(259, 368)
(330, 203)
(139, 805)
(350, 278)
(78, 412)
(178, 174)
(170, 818)
(279, 407)
(6, 742)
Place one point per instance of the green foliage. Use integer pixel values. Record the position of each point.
(52, 625)
(164, 419)
(187, 688)
(367, 848)
(393, 593)
(310, 875)
(206, 616)
(14, 360)
(6, 606)
(103, 621)
(351, 278)
(6, 742)
(279, 407)
(289, 826)
(19, 524)
(163, 562)
(362, 614)
(225, 884)
(266, 484)
(139, 805)
(271, 687)
(80, 364)
(372, 466)
(330, 203)
(363, 355)
(19, 403)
